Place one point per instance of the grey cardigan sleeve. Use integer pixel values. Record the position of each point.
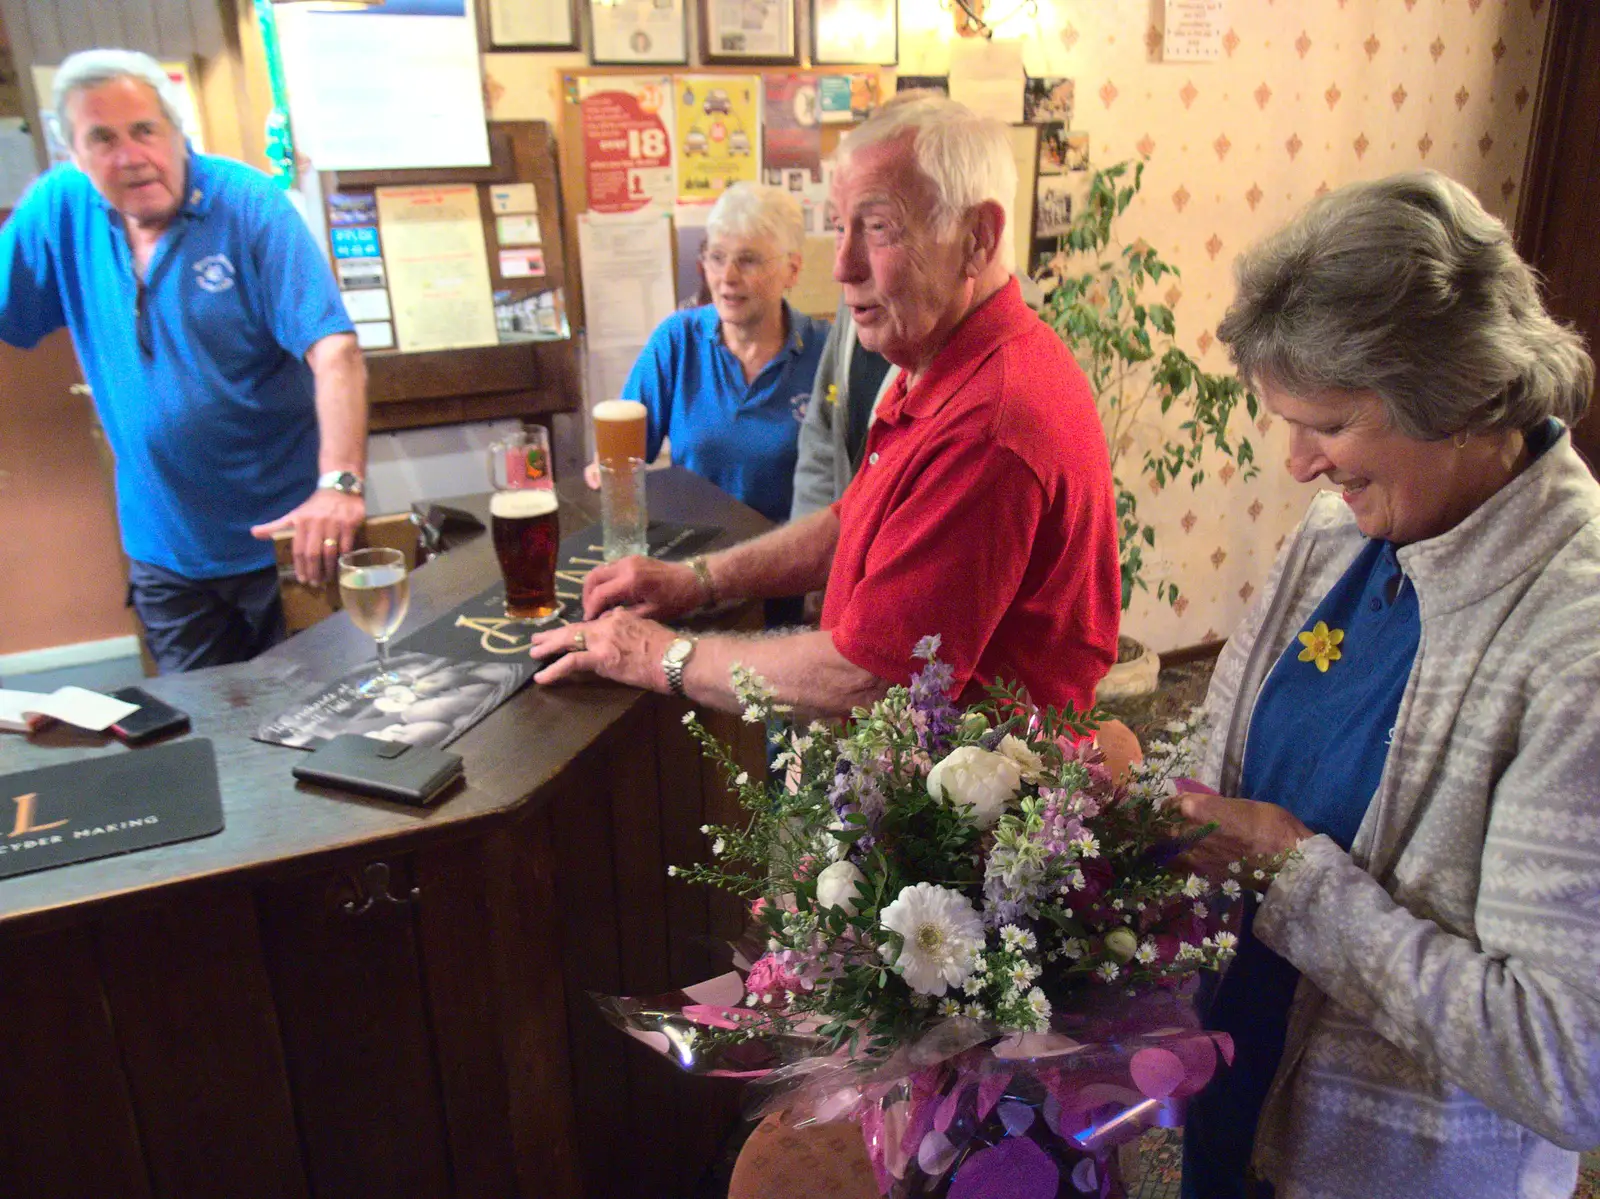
(1513, 1016)
(814, 486)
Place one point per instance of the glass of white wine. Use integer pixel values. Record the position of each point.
(376, 591)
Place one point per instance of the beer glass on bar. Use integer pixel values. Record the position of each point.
(624, 522)
(619, 448)
(619, 431)
(524, 524)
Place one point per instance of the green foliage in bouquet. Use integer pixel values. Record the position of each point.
(919, 863)
(1098, 302)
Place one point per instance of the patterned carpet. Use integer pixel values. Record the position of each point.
(1161, 1168)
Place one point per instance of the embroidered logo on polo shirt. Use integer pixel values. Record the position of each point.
(214, 272)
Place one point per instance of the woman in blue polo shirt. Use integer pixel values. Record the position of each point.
(728, 383)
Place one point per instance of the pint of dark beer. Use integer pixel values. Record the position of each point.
(527, 540)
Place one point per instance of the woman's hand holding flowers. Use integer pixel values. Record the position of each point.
(1249, 840)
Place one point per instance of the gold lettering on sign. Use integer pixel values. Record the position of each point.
(25, 824)
(488, 628)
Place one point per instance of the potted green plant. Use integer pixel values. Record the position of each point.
(1098, 299)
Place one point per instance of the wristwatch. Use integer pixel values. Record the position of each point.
(673, 662)
(345, 481)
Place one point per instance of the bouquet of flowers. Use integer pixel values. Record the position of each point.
(968, 937)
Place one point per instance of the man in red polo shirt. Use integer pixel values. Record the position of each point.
(983, 511)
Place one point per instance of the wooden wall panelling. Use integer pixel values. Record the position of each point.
(1560, 214)
(67, 1125)
(349, 995)
(682, 843)
(454, 927)
(579, 804)
(140, 29)
(638, 810)
(205, 1012)
(519, 871)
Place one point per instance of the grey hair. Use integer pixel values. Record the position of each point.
(91, 68)
(1407, 288)
(756, 210)
(967, 158)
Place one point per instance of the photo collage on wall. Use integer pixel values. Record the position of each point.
(1063, 169)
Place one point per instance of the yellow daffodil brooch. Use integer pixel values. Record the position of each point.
(1321, 645)
(833, 393)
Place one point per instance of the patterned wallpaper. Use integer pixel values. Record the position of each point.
(1309, 94)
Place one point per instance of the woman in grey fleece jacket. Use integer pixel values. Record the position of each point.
(1443, 1039)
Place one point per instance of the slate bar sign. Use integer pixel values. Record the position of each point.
(116, 803)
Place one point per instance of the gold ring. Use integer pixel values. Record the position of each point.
(579, 641)
(329, 543)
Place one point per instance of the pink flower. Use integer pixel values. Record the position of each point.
(771, 982)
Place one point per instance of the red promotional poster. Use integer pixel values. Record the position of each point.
(793, 131)
(627, 143)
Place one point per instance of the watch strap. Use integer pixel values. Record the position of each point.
(672, 664)
(345, 481)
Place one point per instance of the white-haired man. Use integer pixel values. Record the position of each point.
(984, 510)
(222, 362)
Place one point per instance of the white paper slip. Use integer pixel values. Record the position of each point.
(74, 705)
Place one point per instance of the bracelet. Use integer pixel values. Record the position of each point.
(702, 572)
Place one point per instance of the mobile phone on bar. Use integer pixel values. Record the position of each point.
(153, 718)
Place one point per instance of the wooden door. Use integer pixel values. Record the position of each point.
(62, 573)
(1559, 221)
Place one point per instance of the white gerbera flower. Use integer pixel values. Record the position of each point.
(948, 1007)
(1146, 953)
(941, 934)
(1194, 886)
(1109, 971)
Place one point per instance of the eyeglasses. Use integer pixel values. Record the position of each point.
(747, 262)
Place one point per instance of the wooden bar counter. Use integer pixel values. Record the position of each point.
(342, 997)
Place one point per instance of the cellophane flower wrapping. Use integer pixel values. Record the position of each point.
(966, 936)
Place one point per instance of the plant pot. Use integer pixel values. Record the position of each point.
(1134, 674)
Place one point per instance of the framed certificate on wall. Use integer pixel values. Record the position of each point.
(631, 32)
(749, 32)
(851, 32)
(533, 24)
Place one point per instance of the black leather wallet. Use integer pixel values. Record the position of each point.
(413, 774)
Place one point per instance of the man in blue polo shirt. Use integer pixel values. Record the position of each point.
(222, 362)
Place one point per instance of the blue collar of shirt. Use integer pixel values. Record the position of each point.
(711, 328)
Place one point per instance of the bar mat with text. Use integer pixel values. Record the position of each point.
(116, 803)
(438, 698)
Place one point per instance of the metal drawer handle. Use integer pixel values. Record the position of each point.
(375, 876)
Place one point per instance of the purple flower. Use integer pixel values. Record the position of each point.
(927, 648)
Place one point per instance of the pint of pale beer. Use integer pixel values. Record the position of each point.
(524, 524)
(527, 540)
(619, 431)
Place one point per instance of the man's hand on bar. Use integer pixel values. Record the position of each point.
(325, 526)
(644, 586)
(619, 646)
